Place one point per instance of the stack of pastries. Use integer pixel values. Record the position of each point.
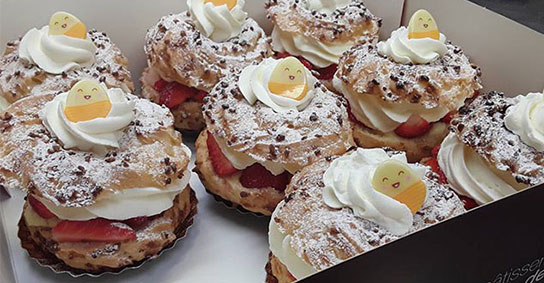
(346, 142)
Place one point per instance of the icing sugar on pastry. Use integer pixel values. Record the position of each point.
(89, 117)
(218, 19)
(282, 85)
(375, 186)
(59, 47)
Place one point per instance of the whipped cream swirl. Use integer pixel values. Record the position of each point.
(217, 22)
(384, 116)
(348, 184)
(403, 50)
(327, 6)
(526, 119)
(320, 54)
(280, 245)
(135, 202)
(93, 135)
(254, 85)
(56, 53)
(470, 175)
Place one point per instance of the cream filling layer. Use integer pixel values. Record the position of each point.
(470, 175)
(126, 204)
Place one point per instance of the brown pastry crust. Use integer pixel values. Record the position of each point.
(352, 23)
(262, 200)
(178, 52)
(187, 115)
(480, 125)
(445, 82)
(19, 79)
(293, 138)
(150, 154)
(415, 148)
(96, 258)
(325, 236)
(276, 272)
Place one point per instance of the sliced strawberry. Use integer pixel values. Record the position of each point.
(435, 150)
(306, 63)
(221, 165)
(200, 96)
(414, 127)
(99, 229)
(435, 167)
(447, 119)
(327, 73)
(281, 55)
(173, 94)
(468, 202)
(40, 208)
(256, 176)
(137, 222)
(159, 85)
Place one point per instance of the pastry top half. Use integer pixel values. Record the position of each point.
(179, 52)
(307, 235)
(149, 154)
(350, 22)
(444, 82)
(293, 136)
(20, 78)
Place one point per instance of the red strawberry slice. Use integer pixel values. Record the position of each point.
(447, 119)
(221, 165)
(40, 208)
(256, 176)
(281, 55)
(99, 230)
(327, 73)
(435, 150)
(435, 167)
(468, 202)
(199, 96)
(159, 85)
(137, 222)
(414, 127)
(306, 63)
(173, 94)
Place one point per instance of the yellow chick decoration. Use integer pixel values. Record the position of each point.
(63, 23)
(87, 100)
(230, 3)
(423, 25)
(289, 79)
(398, 181)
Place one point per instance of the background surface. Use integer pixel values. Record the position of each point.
(527, 12)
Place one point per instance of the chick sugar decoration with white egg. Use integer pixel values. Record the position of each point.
(282, 85)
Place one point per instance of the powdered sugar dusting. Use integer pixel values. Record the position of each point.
(294, 137)
(179, 52)
(19, 79)
(325, 236)
(351, 23)
(150, 154)
(447, 81)
(480, 125)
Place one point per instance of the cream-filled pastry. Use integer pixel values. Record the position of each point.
(263, 125)
(403, 91)
(188, 53)
(495, 147)
(53, 58)
(318, 32)
(343, 206)
(105, 191)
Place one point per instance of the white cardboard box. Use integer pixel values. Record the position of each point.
(224, 245)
